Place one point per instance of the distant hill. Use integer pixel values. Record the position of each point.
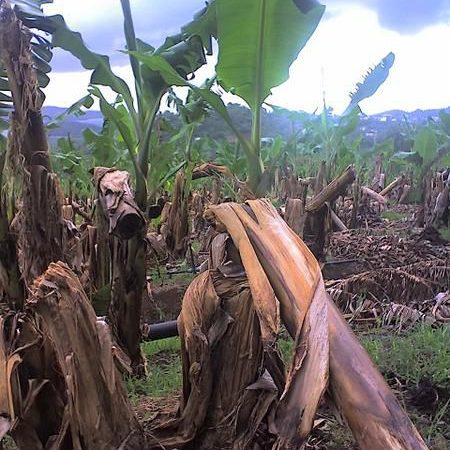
(72, 125)
(374, 127)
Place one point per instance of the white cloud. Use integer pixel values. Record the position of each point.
(339, 53)
(347, 44)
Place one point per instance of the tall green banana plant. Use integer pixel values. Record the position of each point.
(431, 147)
(134, 116)
(258, 40)
(256, 48)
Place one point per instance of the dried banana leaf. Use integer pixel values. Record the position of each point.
(276, 245)
(40, 226)
(125, 220)
(370, 408)
(228, 389)
(9, 360)
(83, 405)
(176, 229)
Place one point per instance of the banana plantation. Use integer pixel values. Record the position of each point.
(164, 289)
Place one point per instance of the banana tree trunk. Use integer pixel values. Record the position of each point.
(126, 225)
(332, 191)
(404, 194)
(229, 381)
(176, 229)
(71, 394)
(12, 291)
(325, 345)
(390, 187)
(40, 223)
(295, 215)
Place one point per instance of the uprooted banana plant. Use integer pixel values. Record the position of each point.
(247, 403)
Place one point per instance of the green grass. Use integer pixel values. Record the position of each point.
(419, 354)
(152, 348)
(393, 215)
(164, 370)
(445, 233)
(8, 443)
(286, 347)
(196, 246)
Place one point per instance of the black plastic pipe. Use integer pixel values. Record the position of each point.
(162, 330)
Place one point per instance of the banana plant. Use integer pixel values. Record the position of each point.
(230, 155)
(134, 119)
(68, 162)
(258, 40)
(30, 13)
(13, 179)
(133, 115)
(431, 147)
(192, 112)
(336, 139)
(256, 48)
(371, 82)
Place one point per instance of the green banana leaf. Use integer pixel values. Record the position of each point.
(425, 144)
(102, 74)
(76, 109)
(158, 64)
(371, 82)
(258, 42)
(204, 26)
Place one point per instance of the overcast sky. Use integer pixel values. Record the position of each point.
(353, 35)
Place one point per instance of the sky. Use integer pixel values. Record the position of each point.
(352, 36)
